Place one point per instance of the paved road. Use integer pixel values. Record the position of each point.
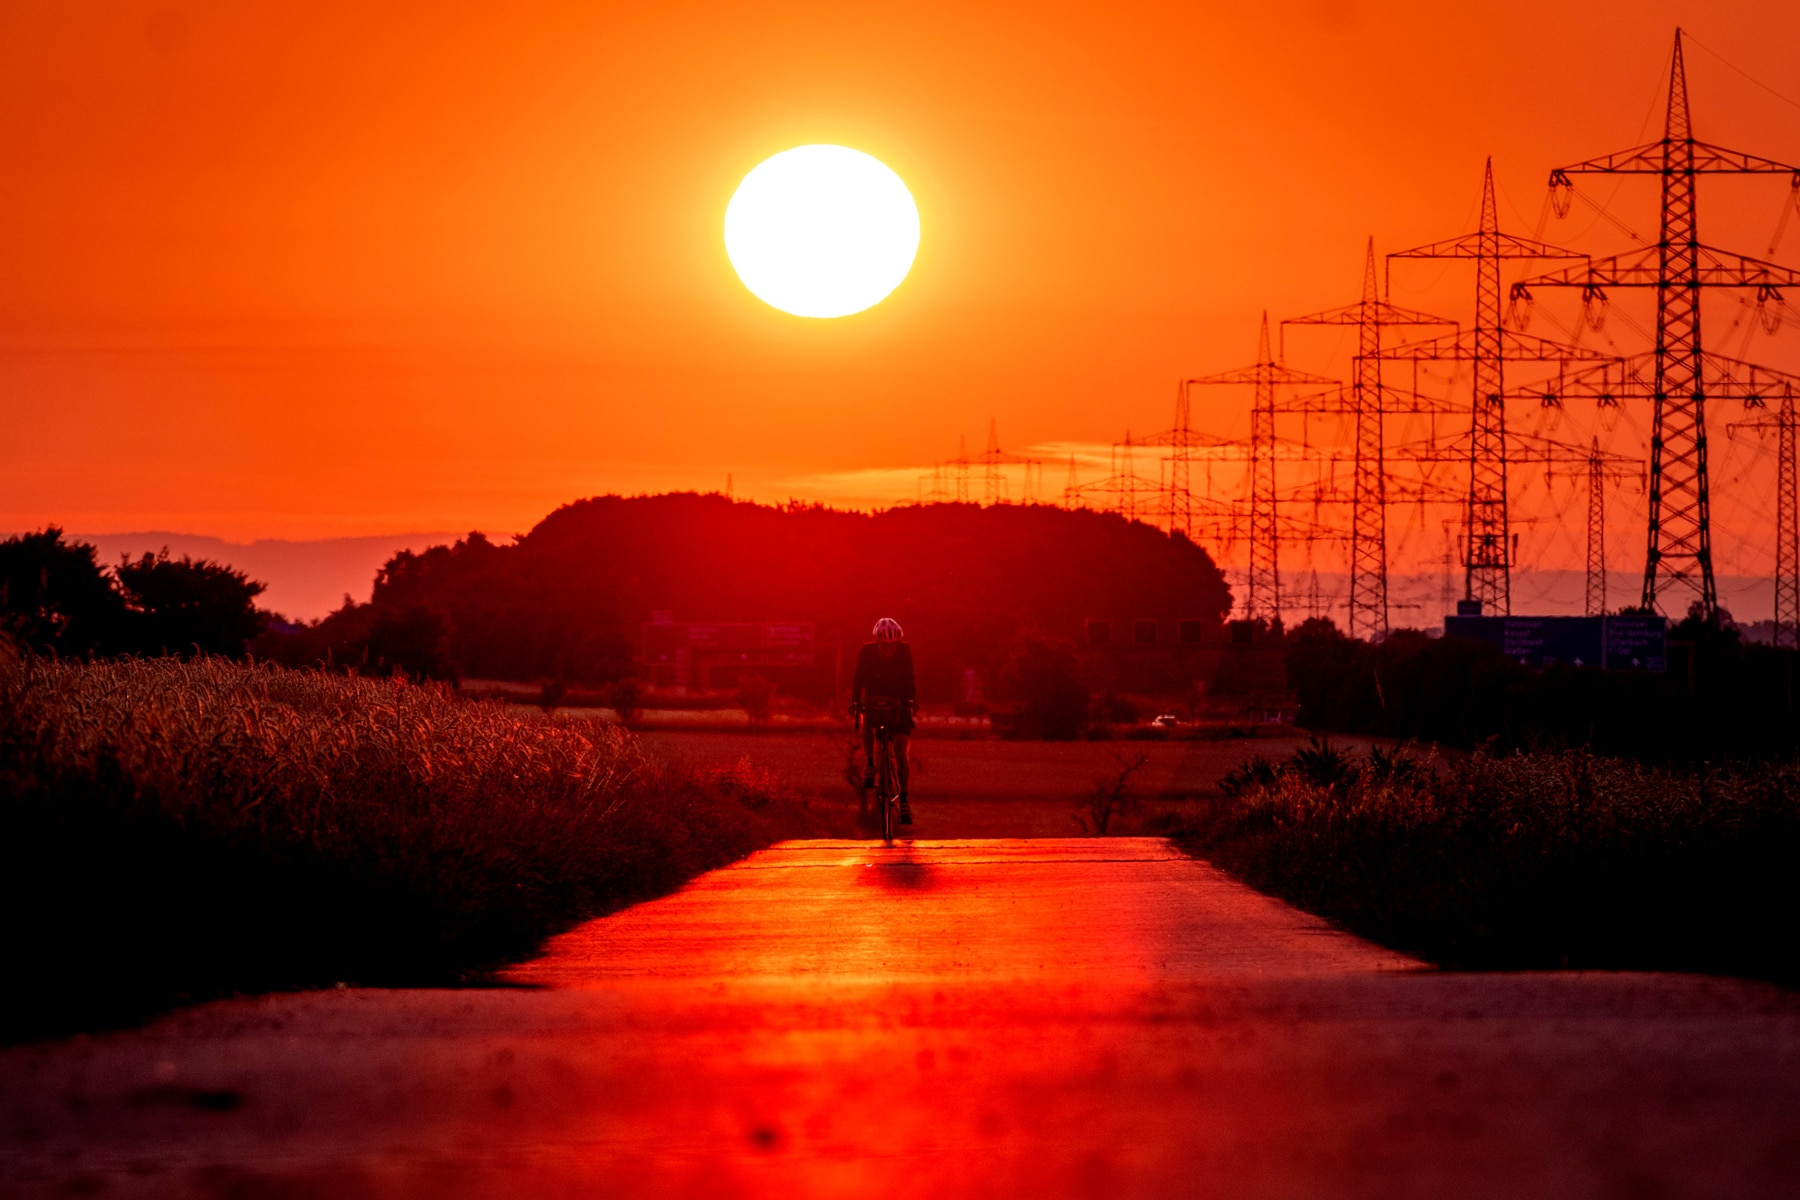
(987, 1018)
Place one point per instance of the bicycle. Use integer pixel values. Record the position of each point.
(881, 711)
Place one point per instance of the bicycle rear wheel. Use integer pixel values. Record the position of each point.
(885, 789)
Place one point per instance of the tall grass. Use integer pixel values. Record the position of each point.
(175, 830)
(1528, 860)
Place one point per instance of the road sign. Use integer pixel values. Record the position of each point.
(1630, 642)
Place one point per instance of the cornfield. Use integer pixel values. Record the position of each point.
(176, 830)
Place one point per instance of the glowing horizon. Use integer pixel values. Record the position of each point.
(367, 271)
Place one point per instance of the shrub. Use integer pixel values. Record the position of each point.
(1044, 676)
(625, 697)
(1323, 765)
(1111, 797)
(1528, 860)
(756, 696)
(1254, 772)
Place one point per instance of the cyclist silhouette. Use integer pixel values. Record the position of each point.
(884, 672)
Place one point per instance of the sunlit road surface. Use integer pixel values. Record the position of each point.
(984, 1018)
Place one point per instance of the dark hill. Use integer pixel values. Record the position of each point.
(570, 597)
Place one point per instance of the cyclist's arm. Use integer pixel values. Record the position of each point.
(858, 682)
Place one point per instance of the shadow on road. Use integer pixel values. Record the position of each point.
(903, 873)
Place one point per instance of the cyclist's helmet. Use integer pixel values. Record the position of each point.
(888, 630)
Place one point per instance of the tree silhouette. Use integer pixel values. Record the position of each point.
(188, 606)
(55, 598)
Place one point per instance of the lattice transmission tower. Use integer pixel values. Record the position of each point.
(1267, 377)
(1784, 424)
(1594, 595)
(990, 466)
(1678, 374)
(1600, 467)
(1368, 531)
(1176, 486)
(1487, 562)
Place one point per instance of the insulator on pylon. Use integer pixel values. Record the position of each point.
(1518, 309)
(1562, 193)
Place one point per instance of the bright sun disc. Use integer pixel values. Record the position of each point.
(822, 231)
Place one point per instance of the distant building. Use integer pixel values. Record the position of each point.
(689, 654)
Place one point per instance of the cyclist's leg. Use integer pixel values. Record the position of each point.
(901, 764)
(868, 739)
(885, 788)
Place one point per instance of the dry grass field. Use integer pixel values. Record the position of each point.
(992, 788)
(177, 830)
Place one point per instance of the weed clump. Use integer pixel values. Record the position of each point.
(1527, 860)
(1111, 797)
(179, 830)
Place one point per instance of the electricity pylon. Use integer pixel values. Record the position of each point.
(1368, 517)
(1787, 517)
(1178, 496)
(1487, 565)
(988, 464)
(1267, 377)
(1600, 467)
(1594, 596)
(1682, 375)
(993, 459)
(1118, 492)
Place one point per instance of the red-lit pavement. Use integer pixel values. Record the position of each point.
(984, 1018)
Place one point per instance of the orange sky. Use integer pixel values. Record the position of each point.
(299, 270)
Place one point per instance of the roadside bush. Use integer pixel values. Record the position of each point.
(756, 696)
(1525, 861)
(1111, 797)
(1043, 676)
(171, 831)
(625, 697)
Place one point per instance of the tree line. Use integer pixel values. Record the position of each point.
(1003, 592)
(58, 599)
(1723, 699)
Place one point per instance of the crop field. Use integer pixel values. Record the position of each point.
(988, 787)
(171, 831)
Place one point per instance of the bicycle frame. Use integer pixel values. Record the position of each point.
(887, 780)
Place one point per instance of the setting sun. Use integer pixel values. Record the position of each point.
(822, 231)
